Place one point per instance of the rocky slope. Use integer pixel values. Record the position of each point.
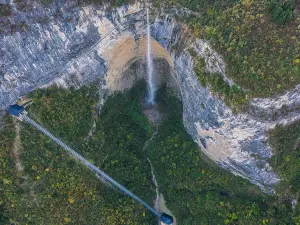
(76, 45)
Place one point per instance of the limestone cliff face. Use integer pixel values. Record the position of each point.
(86, 43)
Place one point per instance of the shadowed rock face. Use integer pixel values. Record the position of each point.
(138, 71)
(125, 53)
(84, 44)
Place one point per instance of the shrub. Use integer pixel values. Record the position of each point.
(233, 95)
(281, 11)
(5, 10)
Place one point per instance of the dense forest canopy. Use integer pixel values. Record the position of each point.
(260, 45)
(54, 189)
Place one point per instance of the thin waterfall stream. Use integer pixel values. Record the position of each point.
(150, 78)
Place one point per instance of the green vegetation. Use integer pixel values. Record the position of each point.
(261, 56)
(280, 11)
(112, 3)
(285, 140)
(5, 10)
(47, 2)
(196, 190)
(233, 95)
(260, 45)
(55, 189)
(203, 5)
(24, 5)
(7, 134)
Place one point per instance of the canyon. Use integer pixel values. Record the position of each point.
(84, 44)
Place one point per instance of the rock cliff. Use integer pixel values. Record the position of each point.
(74, 45)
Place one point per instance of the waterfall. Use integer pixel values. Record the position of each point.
(150, 79)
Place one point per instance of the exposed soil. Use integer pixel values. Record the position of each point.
(153, 113)
(163, 208)
(16, 148)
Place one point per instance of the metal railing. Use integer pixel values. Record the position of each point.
(91, 166)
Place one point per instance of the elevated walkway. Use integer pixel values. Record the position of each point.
(20, 113)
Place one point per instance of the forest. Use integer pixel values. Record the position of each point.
(55, 189)
(234, 97)
(286, 160)
(258, 40)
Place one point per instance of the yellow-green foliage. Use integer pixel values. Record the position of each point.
(8, 188)
(55, 189)
(199, 192)
(233, 96)
(261, 56)
(286, 160)
(5, 10)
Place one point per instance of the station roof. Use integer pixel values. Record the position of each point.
(15, 110)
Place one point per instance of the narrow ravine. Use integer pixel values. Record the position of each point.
(156, 201)
(159, 202)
